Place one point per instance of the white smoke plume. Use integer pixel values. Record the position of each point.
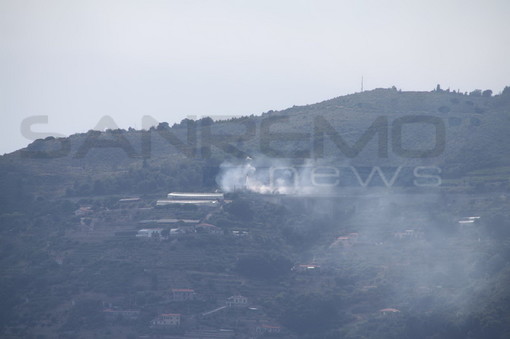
(267, 176)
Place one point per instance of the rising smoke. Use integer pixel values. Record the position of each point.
(427, 271)
(271, 176)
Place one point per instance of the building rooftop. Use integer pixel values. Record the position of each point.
(187, 195)
(163, 202)
(394, 310)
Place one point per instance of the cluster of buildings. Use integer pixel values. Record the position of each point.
(175, 320)
(185, 225)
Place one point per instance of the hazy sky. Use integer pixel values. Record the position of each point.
(76, 61)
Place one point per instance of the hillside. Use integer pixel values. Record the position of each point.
(474, 138)
(380, 214)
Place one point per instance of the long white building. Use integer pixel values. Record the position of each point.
(167, 202)
(195, 196)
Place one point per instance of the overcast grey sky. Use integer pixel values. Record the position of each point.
(76, 61)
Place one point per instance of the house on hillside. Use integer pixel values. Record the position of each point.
(236, 301)
(386, 311)
(167, 319)
(83, 210)
(182, 294)
(240, 233)
(265, 328)
(209, 229)
(149, 232)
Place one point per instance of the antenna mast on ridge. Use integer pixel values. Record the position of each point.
(361, 83)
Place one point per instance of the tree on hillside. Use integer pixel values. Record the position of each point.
(240, 208)
(162, 126)
(263, 266)
(487, 93)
